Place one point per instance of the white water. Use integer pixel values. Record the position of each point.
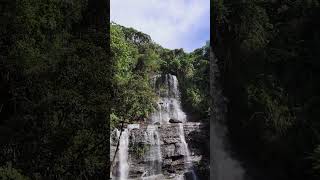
(187, 160)
(123, 154)
(169, 107)
(154, 153)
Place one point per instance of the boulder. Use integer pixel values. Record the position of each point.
(174, 121)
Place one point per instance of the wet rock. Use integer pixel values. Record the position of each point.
(174, 121)
(180, 149)
(172, 149)
(168, 150)
(167, 162)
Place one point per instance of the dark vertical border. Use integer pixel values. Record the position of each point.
(212, 39)
(107, 40)
(106, 29)
(98, 19)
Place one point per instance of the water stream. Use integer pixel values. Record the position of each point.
(187, 160)
(123, 154)
(169, 110)
(153, 155)
(169, 106)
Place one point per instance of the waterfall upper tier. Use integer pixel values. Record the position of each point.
(169, 105)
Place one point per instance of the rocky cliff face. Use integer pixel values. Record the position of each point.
(144, 158)
(166, 147)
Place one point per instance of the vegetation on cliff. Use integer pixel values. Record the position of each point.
(136, 59)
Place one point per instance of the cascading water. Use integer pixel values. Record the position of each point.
(148, 138)
(122, 171)
(187, 160)
(169, 103)
(153, 156)
(123, 155)
(170, 108)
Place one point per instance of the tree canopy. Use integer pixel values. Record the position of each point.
(268, 54)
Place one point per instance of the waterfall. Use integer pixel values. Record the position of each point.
(123, 154)
(187, 163)
(147, 139)
(153, 156)
(224, 166)
(169, 106)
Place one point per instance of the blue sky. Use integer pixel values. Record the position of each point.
(170, 23)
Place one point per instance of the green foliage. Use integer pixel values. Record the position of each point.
(193, 74)
(139, 149)
(254, 27)
(194, 97)
(134, 60)
(272, 109)
(9, 173)
(55, 91)
(123, 55)
(268, 56)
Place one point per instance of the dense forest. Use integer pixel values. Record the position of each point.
(268, 53)
(55, 89)
(63, 87)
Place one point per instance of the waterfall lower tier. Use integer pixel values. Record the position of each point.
(162, 151)
(188, 163)
(153, 153)
(121, 171)
(123, 155)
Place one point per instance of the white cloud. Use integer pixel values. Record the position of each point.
(170, 23)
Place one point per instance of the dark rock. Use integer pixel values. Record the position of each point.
(188, 175)
(171, 171)
(174, 121)
(172, 149)
(156, 123)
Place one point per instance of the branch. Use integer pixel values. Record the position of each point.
(255, 115)
(117, 149)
